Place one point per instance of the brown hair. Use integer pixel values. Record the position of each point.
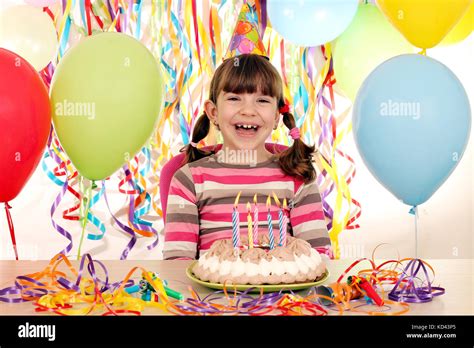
(249, 73)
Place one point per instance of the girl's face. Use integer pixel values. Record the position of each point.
(246, 120)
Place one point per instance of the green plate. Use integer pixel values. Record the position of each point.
(255, 288)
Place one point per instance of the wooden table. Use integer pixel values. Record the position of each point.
(455, 275)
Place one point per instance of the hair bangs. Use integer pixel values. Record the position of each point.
(250, 74)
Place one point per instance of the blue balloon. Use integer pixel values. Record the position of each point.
(311, 22)
(411, 123)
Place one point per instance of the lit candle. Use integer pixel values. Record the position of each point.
(249, 226)
(270, 227)
(280, 218)
(285, 223)
(236, 223)
(255, 220)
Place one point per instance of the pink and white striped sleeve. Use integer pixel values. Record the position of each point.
(182, 218)
(307, 218)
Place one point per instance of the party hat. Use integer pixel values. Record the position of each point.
(246, 37)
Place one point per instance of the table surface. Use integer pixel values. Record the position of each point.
(455, 275)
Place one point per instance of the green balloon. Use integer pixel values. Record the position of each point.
(106, 97)
(368, 41)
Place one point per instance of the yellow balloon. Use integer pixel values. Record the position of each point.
(462, 30)
(424, 22)
(30, 33)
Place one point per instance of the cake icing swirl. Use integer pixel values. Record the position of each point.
(296, 262)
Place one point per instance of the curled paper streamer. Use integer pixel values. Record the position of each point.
(84, 292)
(408, 289)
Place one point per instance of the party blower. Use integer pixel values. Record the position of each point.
(146, 289)
(354, 289)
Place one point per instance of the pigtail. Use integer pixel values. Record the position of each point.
(297, 159)
(201, 130)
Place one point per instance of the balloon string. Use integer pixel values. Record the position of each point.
(416, 231)
(84, 212)
(12, 228)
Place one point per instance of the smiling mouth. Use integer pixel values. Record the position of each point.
(245, 130)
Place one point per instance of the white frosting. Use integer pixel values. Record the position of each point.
(291, 267)
(277, 266)
(213, 266)
(237, 268)
(265, 268)
(250, 269)
(302, 263)
(315, 255)
(225, 267)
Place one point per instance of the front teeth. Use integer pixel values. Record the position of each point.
(246, 126)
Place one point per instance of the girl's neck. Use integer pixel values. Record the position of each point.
(250, 157)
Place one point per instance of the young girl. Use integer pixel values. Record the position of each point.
(245, 103)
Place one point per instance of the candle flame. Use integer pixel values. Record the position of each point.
(255, 199)
(276, 199)
(269, 201)
(236, 203)
(248, 207)
(284, 204)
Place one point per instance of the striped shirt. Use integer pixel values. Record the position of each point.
(201, 200)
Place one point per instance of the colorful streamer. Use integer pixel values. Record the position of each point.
(85, 293)
(189, 39)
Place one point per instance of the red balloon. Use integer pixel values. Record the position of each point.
(25, 121)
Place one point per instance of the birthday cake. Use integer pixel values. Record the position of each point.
(296, 262)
